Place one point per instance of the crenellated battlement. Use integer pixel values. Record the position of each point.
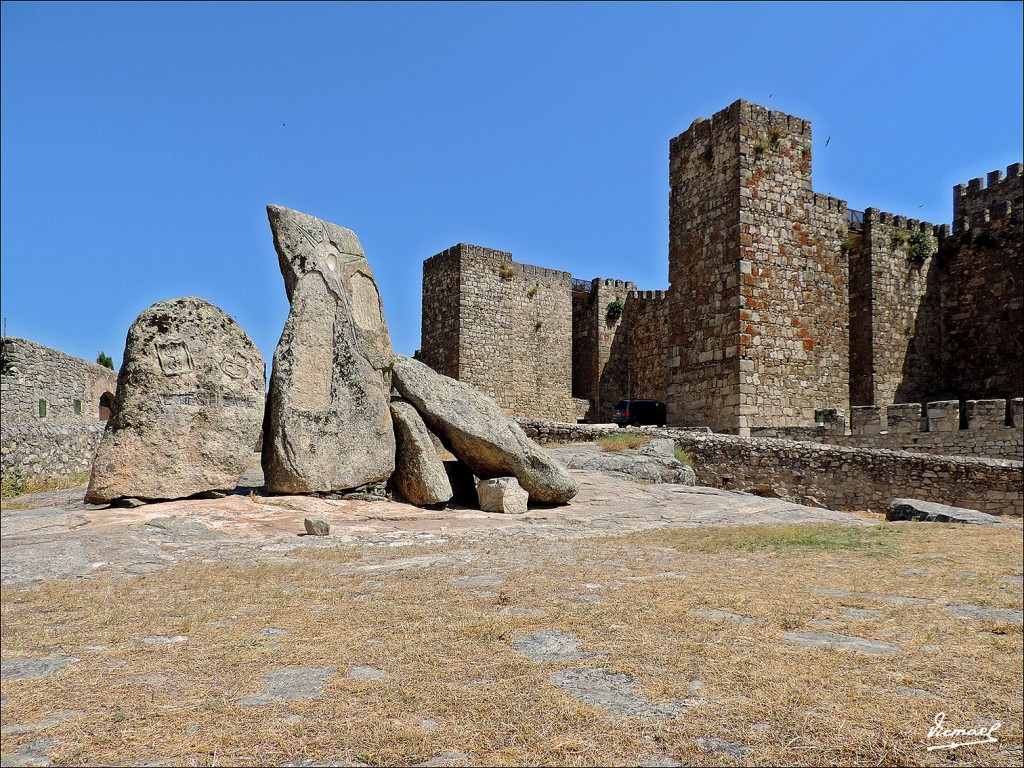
(828, 203)
(646, 295)
(987, 199)
(937, 416)
(875, 216)
(783, 305)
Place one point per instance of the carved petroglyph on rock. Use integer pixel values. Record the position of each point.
(175, 357)
(179, 425)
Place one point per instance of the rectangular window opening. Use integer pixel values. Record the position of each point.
(42, 409)
(78, 407)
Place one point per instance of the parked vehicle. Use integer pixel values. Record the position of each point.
(635, 412)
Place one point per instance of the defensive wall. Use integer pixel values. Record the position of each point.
(781, 302)
(481, 307)
(988, 428)
(53, 408)
(836, 477)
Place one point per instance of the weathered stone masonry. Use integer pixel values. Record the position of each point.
(849, 479)
(53, 408)
(781, 302)
(500, 310)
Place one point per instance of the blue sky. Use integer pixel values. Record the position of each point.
(142, 142)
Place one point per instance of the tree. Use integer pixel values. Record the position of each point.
(105, 360)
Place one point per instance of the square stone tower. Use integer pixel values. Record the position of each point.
(758, 299)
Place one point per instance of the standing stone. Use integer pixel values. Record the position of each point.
(480, 434)
(419, 471)
(188, 407)
(502, 494)
(328, 424)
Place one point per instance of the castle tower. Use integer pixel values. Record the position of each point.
(758, 298)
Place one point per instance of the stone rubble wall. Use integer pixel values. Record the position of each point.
(32, 372)
(703, 264)
(935, 429)
(50, 450)
(518, 314)
(793, 344)
(983, 200)
(981, 286)
(901, 311)
(439, 325)
(841, 478)
(64, 441)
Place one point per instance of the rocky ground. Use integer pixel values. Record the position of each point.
(648, 624)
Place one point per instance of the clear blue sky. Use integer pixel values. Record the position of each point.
(142, 142)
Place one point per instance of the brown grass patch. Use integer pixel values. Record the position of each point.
(16, 484)
(448, 651)
(622, 441)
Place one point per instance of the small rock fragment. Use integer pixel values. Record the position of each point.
(316, 526)
(502, 494)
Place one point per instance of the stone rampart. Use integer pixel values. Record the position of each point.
(50, 450)
(479, 307)
(849, 479)
(980, 201)
(986, 430)
(39, 384)
(53, 409)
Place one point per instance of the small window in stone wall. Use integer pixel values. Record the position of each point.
(42, 409)
(78, 406)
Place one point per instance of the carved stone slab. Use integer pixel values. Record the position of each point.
(328, 424)
(188, 407)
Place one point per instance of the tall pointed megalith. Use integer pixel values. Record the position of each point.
(328, 423)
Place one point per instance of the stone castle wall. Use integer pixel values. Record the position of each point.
(442, 291)
(896, 261)
(781, 302)
(988, 428)
(517, 313)
(646, 328)
(703, 257)
(850, 479)
(981, 271)
(70, 386)
(50, 408)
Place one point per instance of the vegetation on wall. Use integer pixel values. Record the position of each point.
(615, 309)
(104, 359)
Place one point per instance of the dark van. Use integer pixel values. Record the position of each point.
(634, 412)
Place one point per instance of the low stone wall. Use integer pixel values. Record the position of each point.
(836, 477)
(51, 450)
(936, 428)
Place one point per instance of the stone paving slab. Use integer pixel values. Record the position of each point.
(842, 642)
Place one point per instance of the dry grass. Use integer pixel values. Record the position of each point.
(622, 441)
(14, 485)
(449, 656)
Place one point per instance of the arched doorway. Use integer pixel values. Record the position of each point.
(106, 403)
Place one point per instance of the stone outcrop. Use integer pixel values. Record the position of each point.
(502, 494)
(328, 422)
(188, 406)
(419, 471)
(480, 434)
(653, 462)
(931, 512)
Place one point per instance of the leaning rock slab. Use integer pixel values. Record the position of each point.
(502, 494)
(480, 434)
(328, 424)
(188, 407)
(930, 512)
(420, 475)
